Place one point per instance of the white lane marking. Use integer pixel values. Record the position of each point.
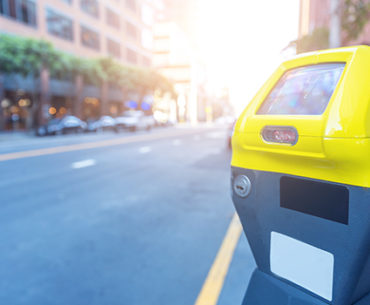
(83, 163)
(145, 149)
(176, 142)
(305, 265)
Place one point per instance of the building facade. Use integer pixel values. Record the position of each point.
(176, 59)
(316, 14)
(121, 29)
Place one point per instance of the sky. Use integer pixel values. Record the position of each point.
(241, 41)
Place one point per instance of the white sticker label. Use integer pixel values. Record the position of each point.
(305, 265)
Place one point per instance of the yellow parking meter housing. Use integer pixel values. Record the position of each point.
(301, 180)
(333, 146)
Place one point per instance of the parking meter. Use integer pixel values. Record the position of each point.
(301, 181)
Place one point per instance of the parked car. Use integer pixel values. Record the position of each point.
(134, 120)
(104, 123)
(67, 124)
(162, 119)
(230, 132)
(225, 120)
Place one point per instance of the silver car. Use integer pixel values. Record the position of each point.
(135, 120)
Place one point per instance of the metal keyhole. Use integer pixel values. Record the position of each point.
(242, 185)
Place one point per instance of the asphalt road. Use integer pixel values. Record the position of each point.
(137, 220)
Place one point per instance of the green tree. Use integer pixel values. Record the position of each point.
(111, 69)
(318, 40)
(164, 85)
(9, 55)
(24, 55)
(355, 14)
(64, 67)
(147, 81)
(91, 70)
(28, 56)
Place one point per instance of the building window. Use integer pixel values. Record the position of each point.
(114, 48)
(131, 30)
(147, 39)
(91, 7)
(131, 56)
(59, 25)
(112, 18)
(13, 8)
(147, 15)
(28, 12)
(90, 38)
(131, 4)
(21, 10)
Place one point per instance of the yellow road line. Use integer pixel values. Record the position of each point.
(212, 286)
(89, 145)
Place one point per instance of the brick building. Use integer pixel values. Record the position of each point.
(122, 29)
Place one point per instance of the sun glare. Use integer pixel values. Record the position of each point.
(242, 41)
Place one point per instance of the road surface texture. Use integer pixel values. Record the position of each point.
(117, 219)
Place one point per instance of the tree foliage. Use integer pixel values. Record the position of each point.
(317, 40)
(28, 56)
(25, 56)
(355, 14)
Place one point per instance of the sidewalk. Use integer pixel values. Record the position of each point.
(6, 136)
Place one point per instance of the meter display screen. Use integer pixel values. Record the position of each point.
(303, 91)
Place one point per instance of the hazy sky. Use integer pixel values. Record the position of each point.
(242, 40)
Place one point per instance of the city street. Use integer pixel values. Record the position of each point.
(130, 218)
(184, 152)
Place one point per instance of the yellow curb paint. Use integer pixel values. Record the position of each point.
(89, 145)
(215, 280)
